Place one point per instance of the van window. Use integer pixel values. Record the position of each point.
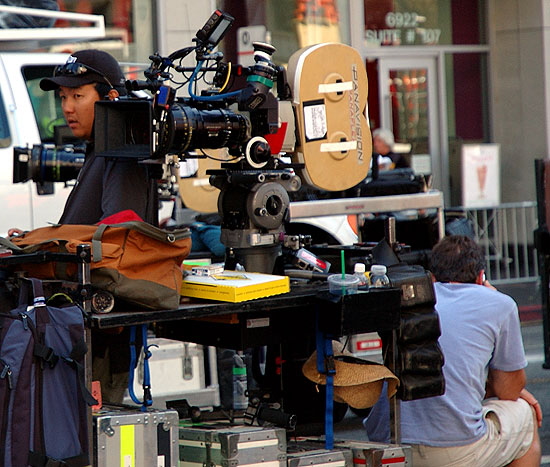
(5, 137)
(46, 107)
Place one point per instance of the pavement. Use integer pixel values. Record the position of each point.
(528, 298)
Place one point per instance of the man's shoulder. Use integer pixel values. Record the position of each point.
(475, 295)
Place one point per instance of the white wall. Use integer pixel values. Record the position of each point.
(179, 20)
(520, 57)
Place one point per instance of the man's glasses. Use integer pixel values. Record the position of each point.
(77, 69)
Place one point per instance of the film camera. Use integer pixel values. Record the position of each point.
(303, 123)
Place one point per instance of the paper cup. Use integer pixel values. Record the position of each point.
(346, 285)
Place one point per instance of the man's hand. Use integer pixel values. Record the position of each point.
(14, 231)
(530, 399)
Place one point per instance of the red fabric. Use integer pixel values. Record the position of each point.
(121, 216)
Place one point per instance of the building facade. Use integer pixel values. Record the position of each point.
(442, 74)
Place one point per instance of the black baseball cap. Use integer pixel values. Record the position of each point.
(86, 67)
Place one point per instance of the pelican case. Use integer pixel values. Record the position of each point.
(135, 439)
(229, 446)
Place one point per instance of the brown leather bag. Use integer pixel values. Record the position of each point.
(135, 261)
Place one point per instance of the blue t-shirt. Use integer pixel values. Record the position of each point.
(480, 329)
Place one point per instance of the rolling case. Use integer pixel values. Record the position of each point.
(229, 446)
(136, 439)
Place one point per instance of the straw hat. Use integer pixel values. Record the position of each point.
(357, 382)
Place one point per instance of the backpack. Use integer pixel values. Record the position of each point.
(43, 397)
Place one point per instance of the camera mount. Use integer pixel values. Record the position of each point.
(316, 118)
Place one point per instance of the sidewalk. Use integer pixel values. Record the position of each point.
(529, 299)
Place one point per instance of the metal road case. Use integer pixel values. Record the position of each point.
(319, 458)
(370, 454)
(229, 446)
(136, 439)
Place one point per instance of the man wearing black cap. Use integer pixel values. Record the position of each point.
(104, 187)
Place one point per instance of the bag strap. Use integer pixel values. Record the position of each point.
(155, 232)
(33, 287)
(96, 242)
(325, 366)
(41, 350)
(74, 360)
(142, 227)
(8, 244)
(135, 347)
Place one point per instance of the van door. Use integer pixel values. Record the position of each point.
(27, 117)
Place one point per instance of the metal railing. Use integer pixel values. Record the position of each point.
(505, 232)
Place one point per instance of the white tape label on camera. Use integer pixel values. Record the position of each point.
(315, 121)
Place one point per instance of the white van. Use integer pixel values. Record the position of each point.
(27, 117)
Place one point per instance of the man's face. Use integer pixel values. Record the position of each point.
(78, 109)
(380, 146)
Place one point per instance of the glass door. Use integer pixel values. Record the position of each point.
(408, 102)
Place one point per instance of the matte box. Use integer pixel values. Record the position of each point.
(225, 446)
(135, 438)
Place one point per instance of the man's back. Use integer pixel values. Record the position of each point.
(480, 330)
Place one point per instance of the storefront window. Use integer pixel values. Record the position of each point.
(128, 36)
(293, 24)
(430, 22)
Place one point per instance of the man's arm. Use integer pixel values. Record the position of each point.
(506, 385)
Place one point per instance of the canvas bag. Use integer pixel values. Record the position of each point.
(43, 397)
(135, 261)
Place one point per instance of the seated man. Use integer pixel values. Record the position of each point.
(382, 148)
(486, 416)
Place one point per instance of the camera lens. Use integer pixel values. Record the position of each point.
(56, 164)
(185, 128)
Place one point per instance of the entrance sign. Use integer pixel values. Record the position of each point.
(480, 175)
(403, 28)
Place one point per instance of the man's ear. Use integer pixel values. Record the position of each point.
(480, 279)
(113, 94)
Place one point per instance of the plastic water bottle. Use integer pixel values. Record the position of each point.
(359, 271)
(378, 277)
(240, 399)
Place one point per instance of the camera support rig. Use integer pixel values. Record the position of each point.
(253, 205)
(316, 118)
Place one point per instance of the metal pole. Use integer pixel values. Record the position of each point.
(84, 254)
